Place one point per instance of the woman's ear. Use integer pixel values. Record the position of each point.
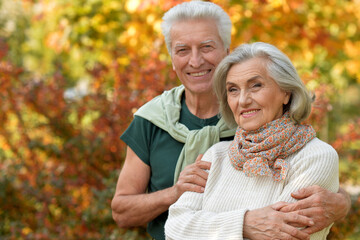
(287, 98)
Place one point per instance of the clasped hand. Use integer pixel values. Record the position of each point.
(270, 223)
(193, 178)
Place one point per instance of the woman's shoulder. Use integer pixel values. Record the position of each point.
(318, 145)
(318, 151)
(218, 150)
(220, 147)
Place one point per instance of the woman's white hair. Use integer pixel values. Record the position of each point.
(197, 10)
(279, 68)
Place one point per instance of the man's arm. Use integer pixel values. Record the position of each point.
(132, 206)
(268, 223)
(323, 206)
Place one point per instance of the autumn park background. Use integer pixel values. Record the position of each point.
(72, 72)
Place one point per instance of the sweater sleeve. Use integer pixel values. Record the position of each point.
(188, 220)
(316, 164)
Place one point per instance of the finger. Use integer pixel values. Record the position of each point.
(291, 207)
(313, 212)
(197, 168)
(294, 232)
(300, 205)
(204, 165)
(306, 192)
(279, 205)
(193, 174)
(196, 179)
(199, 157)
(311, 230)
(298, 219)
(193, 188)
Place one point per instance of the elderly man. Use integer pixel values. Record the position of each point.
(168, 133)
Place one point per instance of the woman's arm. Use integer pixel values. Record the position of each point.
(316, 164)
(188, 219)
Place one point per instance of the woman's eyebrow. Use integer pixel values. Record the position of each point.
(253, 78)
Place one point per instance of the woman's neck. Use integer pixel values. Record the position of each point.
(202, 105)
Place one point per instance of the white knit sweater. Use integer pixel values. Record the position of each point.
(218, 213)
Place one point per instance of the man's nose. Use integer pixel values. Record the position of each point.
(196, 59)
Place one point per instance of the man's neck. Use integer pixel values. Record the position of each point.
(203, 106)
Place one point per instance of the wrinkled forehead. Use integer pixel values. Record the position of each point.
(194, 31)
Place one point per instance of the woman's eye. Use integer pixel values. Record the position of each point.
(231, 89)
(257, 85)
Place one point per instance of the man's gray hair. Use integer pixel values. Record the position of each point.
(279, 68)
(197, 10)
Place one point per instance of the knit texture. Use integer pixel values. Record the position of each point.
(262, 152)
(164, 112)
(218, 213)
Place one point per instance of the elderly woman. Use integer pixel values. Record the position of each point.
(272, 153)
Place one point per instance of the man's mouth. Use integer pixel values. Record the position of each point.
(199, 74)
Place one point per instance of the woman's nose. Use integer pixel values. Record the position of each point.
(245, 99)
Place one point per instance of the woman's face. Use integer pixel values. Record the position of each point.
(253, 96)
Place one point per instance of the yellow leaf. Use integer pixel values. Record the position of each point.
(132, 5)
(26, 231)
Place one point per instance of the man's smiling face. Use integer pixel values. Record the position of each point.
(196, 50)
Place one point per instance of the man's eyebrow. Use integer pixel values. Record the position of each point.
(180, 45)
(184, 45)
(207, 41)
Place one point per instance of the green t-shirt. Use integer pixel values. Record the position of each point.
(156, 148)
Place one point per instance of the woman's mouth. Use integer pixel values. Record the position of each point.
(249, 113)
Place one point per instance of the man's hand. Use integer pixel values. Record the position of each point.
(268, 223)
(321, 205)
(193, 177)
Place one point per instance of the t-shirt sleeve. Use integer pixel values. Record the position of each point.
(138, 137)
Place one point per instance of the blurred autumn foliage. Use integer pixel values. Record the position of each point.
(72, 72)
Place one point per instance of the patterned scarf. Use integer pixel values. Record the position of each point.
(262, 152)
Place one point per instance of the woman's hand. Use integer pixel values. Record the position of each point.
(268, 223)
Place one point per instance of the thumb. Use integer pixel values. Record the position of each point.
(277, 206)
(305, 192)
(199, 157)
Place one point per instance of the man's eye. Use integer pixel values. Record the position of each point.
(257, 85)
(207, 47)
(181, 50)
